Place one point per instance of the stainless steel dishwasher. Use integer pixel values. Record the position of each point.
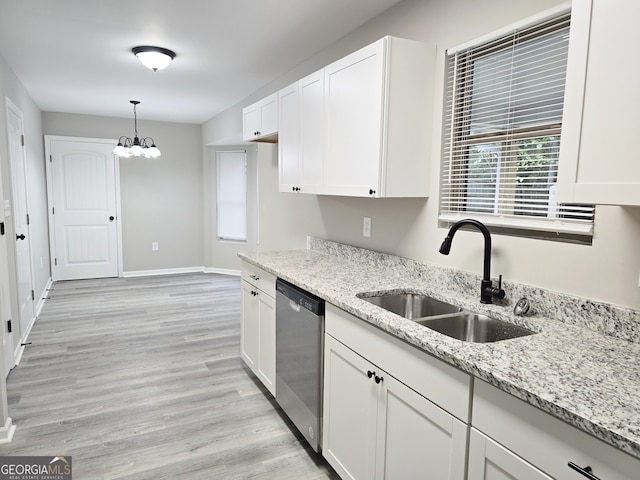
(299, 359)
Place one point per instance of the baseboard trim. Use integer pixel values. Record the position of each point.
(38, 309)
(43, 296)
(6, 432)
(222, 271)
(162, 271)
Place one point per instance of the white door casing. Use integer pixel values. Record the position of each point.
(24, 272)
(84, 208)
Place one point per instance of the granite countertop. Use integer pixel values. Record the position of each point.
(581, 376)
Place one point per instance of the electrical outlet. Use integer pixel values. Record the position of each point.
(154, 246)
(366, 227)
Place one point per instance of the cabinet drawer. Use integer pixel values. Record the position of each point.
(545, 441)
(259, 278)
(443, 384)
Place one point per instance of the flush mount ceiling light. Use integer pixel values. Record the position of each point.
(136, 147)
(155, 58)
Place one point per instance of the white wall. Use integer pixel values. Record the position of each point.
(608, 270)
(162, 199)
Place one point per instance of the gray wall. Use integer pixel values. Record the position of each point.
(608, 270)
(272, 218)
(162, 199)
(222, 254)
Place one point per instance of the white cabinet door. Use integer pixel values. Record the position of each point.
(490, 461)
(417, 439)
(301, 135)
(289, 138)
(249, 326)
(260, 120)
(353, 107)
(598, 163)
(269, 116)
(312, 133)
(267, 340)
(350, 409)
(250, 122)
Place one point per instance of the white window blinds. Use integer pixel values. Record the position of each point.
(503, 119)
(231, 196)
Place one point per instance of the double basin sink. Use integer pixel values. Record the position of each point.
(445, 318)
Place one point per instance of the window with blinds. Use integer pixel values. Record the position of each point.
(231, 195)
(502, 132)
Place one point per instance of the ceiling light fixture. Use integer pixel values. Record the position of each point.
(136, 147)
(155, 58)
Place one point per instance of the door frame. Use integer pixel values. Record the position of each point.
(23, 333)
(48, 159)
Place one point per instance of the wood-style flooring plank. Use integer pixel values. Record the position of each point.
(142, 379)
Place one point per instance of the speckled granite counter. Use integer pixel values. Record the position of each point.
(589, 379)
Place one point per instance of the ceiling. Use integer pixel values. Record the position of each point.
(74, 56)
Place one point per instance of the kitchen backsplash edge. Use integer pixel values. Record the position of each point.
(604, 318)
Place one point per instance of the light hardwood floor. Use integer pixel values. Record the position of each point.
(142, 379)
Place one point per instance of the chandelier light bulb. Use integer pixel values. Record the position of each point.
(136, 150)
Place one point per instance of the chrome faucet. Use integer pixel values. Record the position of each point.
(487, 291)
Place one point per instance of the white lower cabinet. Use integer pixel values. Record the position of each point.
(520, 441)
(376, 427)
(489, 460)
(258, 324)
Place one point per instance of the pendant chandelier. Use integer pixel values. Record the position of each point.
(136, 147)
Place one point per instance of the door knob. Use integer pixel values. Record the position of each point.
(20, 237)
(112, 218)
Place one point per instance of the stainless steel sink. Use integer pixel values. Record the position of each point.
(446, 318)
(472, 327)
(411, 305)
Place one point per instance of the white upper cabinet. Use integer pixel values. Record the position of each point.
(260, 120)
(601, 104)
(362, 125)
(301, 135)
(378, 109)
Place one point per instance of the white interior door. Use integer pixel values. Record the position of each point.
(5, 305)
(83, 200)
(17, 160)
